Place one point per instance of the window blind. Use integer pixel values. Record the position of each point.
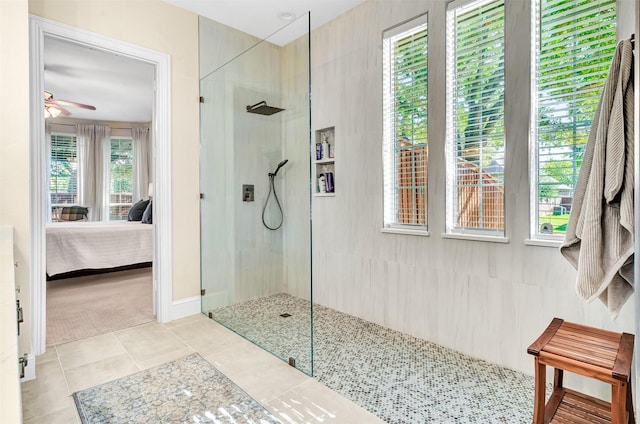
(405, 125)
(63, 175)
(574, 41)
(120, 178)
(475, 118)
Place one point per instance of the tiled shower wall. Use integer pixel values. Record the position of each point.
(243, 260)
(489, 300)
(296, 198)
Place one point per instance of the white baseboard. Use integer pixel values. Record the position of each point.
(30, 369)
(185, 307)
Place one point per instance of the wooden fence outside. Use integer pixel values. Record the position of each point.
(480, 195)
(412, 184)
(480, 198)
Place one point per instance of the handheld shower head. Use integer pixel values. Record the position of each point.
(280, 165)
(272, 188)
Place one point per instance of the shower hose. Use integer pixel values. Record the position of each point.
(272, 187)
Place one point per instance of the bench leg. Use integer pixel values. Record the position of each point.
(632, 418)
(540, 392)
(557, 378)
(619, 403)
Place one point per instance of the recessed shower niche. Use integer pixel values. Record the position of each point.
(255, 130)
(324, 162)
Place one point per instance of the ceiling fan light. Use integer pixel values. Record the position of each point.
(51, 112)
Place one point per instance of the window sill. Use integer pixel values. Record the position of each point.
(543, 242)
(405, 231)
(475, 237)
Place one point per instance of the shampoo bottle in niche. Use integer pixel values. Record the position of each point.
(325, 147)
(322, 184)
(328, 176)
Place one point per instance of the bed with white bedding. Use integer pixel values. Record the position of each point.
(81, 245)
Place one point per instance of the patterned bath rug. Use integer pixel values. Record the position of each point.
(188, 390)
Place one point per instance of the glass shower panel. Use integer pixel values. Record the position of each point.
(255, 184)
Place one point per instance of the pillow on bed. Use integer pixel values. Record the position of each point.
(136, 211)
(73, 213)
(147, 215)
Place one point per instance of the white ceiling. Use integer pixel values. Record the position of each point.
(121, 88)
(261, 18)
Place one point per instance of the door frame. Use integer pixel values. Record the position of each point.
(161, 176)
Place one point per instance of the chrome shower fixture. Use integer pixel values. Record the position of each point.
(263, 109)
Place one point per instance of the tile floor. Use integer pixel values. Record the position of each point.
(399, 378)
(292, 396)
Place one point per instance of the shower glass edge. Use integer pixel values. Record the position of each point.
(255, 281)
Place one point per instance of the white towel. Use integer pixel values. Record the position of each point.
(599, 238)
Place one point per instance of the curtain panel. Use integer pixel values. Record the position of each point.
(140, 163)
(85, 136)
(101, 171)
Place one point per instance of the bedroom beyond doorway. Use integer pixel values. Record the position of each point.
(159, 136)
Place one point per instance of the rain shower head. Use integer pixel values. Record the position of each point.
(263, 109)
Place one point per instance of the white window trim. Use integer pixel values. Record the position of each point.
(536, 238)
(389, 168)
(556, 243)
(464, 5)
(451, 231)
(533, 118)
(402, 229)
(476, 237)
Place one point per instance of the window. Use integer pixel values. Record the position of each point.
(120, 178)
(573, 44)
(405, 125)
(475, 118)
(63, 175)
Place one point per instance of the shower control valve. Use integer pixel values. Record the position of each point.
(247, 192)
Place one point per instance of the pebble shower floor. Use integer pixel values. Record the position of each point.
(399, 378)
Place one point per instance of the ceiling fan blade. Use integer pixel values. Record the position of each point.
(74, 104)
(48, 96)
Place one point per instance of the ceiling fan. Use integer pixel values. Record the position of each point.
(53, 108)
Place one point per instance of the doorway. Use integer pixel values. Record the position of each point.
(160, 141)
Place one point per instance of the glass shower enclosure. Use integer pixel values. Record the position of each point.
(255, 179)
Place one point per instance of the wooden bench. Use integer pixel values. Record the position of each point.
(591, 352)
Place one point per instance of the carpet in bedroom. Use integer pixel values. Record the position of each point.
(87, 306)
